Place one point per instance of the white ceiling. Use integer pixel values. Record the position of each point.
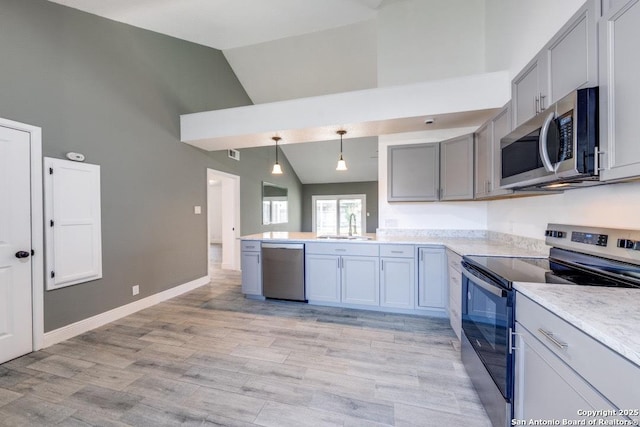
(226, 24)
(285, 49)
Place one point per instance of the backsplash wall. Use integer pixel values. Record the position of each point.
(613, 206)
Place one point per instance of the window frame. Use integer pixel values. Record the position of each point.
(337, 198)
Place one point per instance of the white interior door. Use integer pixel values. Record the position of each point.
(15, 244)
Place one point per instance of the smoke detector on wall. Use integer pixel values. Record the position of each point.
(234, 154)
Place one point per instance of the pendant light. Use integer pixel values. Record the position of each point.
(277, 170)
(342, 165)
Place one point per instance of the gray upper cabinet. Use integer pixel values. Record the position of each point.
(487, 155)
(528, 90)
(619, 91)
(483, 160)
(413, 172)
(431, 172)
(568, 62)
(456, 168)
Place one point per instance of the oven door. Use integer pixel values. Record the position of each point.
(487, 322)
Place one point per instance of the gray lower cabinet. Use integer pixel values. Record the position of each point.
(342, 273)
(360, 280)
(546, 387)
(322, 277)
(432, 284)
(455, 291)
(561, 370)
(619, 91)
(251, 268)
(397, 276)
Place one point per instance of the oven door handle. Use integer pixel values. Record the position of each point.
(495, 290)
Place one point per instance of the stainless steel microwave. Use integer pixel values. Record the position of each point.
(555, 149)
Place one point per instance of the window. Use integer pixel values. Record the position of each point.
(331, 214)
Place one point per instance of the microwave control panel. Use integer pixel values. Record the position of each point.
(565, 128)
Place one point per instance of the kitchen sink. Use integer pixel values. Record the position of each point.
(342, 237)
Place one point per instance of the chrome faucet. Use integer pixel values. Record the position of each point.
(352, 220)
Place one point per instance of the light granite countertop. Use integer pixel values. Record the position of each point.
(610, 315)
(461, 245)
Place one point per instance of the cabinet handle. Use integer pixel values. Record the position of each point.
(396, 252)
(381, 264)
(341, 250)
(258, 258)
(542, 97)
(549, 335)
(597, 160)
(536, 104)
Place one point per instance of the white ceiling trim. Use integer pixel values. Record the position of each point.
(369, 112)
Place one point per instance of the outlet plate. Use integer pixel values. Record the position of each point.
(135, 290)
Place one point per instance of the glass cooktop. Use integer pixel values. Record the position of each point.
(562, 267)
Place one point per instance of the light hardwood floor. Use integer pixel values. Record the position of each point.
(211, 357)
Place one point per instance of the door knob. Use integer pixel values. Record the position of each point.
(22, 254)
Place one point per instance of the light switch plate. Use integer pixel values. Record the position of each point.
(197, 210)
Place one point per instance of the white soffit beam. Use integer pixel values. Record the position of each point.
(455, 102)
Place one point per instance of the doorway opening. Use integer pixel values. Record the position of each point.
(223, 219)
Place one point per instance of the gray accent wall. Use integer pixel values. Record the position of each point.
(369, 188)
(254, 167)
(115, 93)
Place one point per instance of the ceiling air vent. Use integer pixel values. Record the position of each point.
(234, 154)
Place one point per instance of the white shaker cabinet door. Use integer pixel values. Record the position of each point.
(251, 273)
(73, 229)
(432, 284)
(322, 277)
(397, 282)
(546, 387)
(620, 91)
(360, 280)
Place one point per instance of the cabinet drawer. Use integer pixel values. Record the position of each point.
(454, 260)
(360, 249)
(608, 372)
(397, 251)
(250, 246)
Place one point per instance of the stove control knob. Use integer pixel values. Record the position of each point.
(626, 243)
(557, 234)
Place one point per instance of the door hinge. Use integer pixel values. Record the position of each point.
(51, 223)
(50, 171)
(53, 274)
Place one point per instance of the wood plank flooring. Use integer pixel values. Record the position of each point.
(211, 358)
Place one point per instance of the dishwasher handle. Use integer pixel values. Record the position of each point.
(295, 246)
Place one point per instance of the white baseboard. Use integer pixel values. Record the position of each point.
(74, 329)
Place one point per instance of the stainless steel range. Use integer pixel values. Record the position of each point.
(588, 256)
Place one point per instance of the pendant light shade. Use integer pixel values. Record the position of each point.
(342, 165)
(277, 170)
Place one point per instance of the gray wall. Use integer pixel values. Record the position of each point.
(254, 167)
(115, 93)
(370, 189)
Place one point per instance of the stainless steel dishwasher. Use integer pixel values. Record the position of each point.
(283, 271)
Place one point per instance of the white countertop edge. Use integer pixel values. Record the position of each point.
(575, 307)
